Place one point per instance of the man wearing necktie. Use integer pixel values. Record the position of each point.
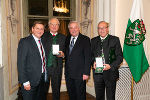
(54, 62)
(108, 47)
(71, 45)
(77, 62)
(31, 64)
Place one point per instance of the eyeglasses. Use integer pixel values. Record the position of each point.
(54, 24)
(102, 28)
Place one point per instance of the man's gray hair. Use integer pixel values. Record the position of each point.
(49, 22)
(74, 22)
(104, 22)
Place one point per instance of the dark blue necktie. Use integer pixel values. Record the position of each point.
(71, 45)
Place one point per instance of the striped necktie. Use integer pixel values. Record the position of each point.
(43, 56)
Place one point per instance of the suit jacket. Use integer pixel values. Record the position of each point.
(29, 61)
(78, 62)
(110, 43)
(47, 43)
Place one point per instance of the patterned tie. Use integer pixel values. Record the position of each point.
(44, 62)
(102, 51)
(71, 45)
(43, 56)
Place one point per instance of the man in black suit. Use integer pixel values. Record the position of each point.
(108, 47)
(77, 62)
(54, 61)
(31, 64)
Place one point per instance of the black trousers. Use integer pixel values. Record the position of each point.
(36, 92)
(100, 85)
(76, 89)
(55, 76)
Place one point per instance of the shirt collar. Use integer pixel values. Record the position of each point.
(74, 37)
(35, 38)
(103, 38)
(53, 33)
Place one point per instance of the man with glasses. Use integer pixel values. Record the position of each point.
(53, 42)
(106, 58)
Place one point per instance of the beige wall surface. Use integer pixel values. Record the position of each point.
(123, 8)
(146, 7)
(0, 36)
(11, 30)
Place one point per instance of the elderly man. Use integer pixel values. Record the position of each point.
(106, 49)
(77, 62)
(54, 61)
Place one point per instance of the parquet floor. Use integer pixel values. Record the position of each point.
(64, 96)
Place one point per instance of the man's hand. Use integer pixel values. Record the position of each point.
(27, 87)
(107, 67)
(85, 77)
(61, 54)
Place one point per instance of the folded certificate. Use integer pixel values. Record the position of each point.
(99, 65)
(55, 48)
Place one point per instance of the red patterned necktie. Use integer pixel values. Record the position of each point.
(43, 56)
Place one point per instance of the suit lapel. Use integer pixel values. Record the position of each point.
(106, 47)
(50, 38)
(98, 46)
(48, 42)
(34, 45)
(67, 44)
(77, 43)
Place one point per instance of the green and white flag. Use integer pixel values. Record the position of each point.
(133, 50)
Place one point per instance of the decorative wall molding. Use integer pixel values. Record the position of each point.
(86, 17)
(13, 26)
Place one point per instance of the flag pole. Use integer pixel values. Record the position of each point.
(132, 89)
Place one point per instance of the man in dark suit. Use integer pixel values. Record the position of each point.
(109, 47)
(31, 64)
(54, 62)
(77, 62)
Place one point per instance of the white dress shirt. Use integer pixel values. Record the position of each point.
(75, 39)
